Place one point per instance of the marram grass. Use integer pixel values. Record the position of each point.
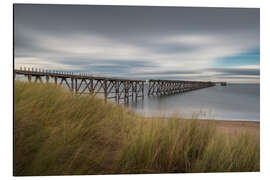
(57, 133)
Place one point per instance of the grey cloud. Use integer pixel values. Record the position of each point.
(236, 71)
(126, 20)
(119, 67)
(172, 48)
(29, 43)
(240, 78)
(109, 66)
(107, 62)
(176, 77)
(170, 72)
(136, 25)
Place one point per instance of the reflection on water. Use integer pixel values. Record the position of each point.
(231, 102)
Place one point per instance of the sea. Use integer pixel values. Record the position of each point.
(239, 102)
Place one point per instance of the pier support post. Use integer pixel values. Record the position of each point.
(55, 79)
(47, 79)
(29, 78)
(76, 86)
(72, 84)
(105, 90)
(92, 87)
(142, 90)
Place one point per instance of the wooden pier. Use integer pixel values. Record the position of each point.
(168, 87)
(223, 83)
(121, 90)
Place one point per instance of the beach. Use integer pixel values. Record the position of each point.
(238, 126)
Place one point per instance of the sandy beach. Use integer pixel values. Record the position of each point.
(238, 126)
(232, 126)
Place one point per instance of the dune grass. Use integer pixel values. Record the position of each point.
(57, 133)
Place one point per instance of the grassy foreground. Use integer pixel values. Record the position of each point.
(57, 133)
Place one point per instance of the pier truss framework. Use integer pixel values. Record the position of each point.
(117, 89)
(120, 90)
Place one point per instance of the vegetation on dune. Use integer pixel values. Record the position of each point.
(57, 133)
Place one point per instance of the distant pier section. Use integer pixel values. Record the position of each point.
(119, 89)
(222, 83)
(168, 87)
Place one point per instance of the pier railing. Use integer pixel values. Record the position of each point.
(118, 89)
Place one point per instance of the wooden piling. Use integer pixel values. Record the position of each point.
(105, 90)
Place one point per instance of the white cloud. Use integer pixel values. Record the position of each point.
(33, 62)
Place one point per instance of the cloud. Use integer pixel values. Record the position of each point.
(142, 42)
(237, 71)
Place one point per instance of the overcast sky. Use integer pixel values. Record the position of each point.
(218, 44)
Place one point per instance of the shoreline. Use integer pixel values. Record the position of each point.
(189, 117)
(231, 126)
(237, 127)
(230, 121)
(214, 120)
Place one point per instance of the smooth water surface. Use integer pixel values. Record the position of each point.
(231, 102)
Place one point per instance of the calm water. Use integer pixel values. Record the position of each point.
(231, 102)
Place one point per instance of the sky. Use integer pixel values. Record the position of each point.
(138, 42)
